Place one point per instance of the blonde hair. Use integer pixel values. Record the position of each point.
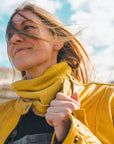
(72, 51)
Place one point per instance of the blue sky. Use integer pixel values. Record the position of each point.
(98, 37)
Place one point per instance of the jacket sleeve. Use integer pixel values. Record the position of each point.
(79, 133)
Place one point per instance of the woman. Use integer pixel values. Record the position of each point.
(48, 108)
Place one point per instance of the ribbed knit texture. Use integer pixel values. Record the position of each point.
(43, 89)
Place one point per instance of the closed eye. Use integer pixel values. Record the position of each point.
(28, 27)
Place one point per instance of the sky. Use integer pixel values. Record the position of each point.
(96, 17)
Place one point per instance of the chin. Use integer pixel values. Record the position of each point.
(22, 66)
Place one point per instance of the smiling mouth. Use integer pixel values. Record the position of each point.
(21, 50)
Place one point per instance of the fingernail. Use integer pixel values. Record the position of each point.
(75, 97)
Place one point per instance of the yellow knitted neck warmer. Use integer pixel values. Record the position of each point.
(43, 89)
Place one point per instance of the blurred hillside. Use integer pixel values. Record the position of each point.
(7, 76)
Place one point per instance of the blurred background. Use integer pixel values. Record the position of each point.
(97, 17)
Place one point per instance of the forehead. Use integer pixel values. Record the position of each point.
(18, 19)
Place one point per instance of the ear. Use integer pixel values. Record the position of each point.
(58, 46)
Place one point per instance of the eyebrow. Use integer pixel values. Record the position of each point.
(27, 20)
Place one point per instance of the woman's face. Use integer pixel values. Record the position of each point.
(25, 52)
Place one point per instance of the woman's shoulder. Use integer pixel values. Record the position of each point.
(5, 106)
(89, 91)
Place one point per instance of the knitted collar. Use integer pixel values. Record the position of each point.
(42, 90)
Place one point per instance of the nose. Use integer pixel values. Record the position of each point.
(16, 38)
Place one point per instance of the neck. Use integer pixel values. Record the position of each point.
(37, 71)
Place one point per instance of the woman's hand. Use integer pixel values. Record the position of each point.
(57, 113)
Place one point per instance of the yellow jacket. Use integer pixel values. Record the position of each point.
(92, 124)
(97, 113)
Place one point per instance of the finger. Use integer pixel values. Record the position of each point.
(51, 118)
(67, 104)
(76, 97)
(49, 121)
(62, 109)
(56, 103)
(54, 119)
(61, 96)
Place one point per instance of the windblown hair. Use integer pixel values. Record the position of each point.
(72, 51)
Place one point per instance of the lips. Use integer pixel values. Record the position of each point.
(17, 50)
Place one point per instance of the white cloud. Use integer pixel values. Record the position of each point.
(7, 6)
(98, 17)
(104, 62)
(90, 50)
(75, 4)
(99, 27)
